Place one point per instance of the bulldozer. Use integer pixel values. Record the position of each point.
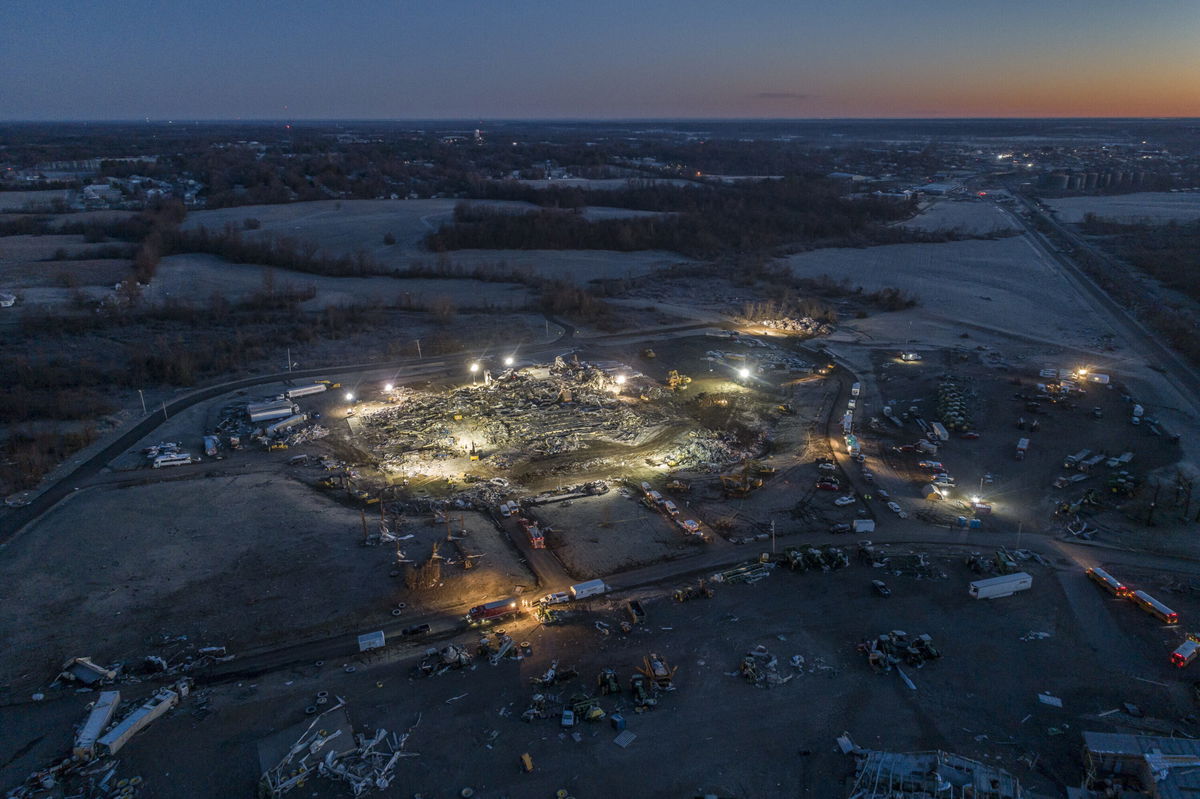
(676, 381)
(607, 682)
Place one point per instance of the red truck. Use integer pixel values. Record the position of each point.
(494, 610)
(536, 539)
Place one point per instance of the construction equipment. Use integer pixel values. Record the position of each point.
(587, 708)
(701, 589)
(677, 381)
(607, 682)
(643, 692)
(656, 668)
(678, 487)
(1005, 563)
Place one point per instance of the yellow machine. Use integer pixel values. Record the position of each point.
(676, 381)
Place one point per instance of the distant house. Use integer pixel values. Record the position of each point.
(850, 176)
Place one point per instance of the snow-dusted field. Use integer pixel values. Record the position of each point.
(1154, 206)
(1003, 284)
(971, 217)
(196, 278)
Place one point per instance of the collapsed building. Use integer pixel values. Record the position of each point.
(602, 414)
(919, 775)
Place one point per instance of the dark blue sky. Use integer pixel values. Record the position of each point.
(295, 59)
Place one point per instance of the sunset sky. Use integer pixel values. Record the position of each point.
(418, 59)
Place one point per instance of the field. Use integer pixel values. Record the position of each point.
(352, 225)
(1003, 284)
(1160, 207)
(602, 535)
(975, 218)
(196, 278)
(31, 200)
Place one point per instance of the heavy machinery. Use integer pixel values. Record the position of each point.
(677, 381)
(678, 487)
(607, 682)
(741, 483)
(643, 692)
(656, 668)
(699, 590)
(586, 708)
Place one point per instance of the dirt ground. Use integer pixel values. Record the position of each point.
(1154, 206)
(720, 734)
(601, 535)
(238, 560)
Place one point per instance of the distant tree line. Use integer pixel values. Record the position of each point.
(699, 222)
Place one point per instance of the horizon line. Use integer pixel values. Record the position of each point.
(585, 120)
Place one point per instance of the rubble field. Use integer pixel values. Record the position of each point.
(765, 676)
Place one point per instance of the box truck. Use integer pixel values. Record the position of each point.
(590, 588)
(996, 587)
(1022, 448)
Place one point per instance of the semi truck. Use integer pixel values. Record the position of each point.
(1070, 461)
(499, 609)
(1090, 463)
(284, 424)
(304, 391)
(1113, 463)
(587, 589)
(1022, 448)
(266, 411)
(996, 587)
(939, 431)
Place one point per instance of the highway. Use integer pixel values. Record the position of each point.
(1138, 335)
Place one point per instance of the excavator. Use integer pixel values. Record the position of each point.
(742, 483)
(657, 670)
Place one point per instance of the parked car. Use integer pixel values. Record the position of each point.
(557, 598)
(883, 494)
(881, 588)
(859, 457)
(846, 500)
(829, 486)
(840, 528)
(416, 629)
(691, 525)
(568, 717)
(827, 467)
(868, 476)
(970, 435)
(894, 508)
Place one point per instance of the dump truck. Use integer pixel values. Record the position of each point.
(1022, 448)
(304, 391)
(587, 589)
(1071, 461)
(996, 587)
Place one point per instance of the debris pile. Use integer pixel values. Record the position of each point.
(332, 751)
(761, 669)
(893, 775)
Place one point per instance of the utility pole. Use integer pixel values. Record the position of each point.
(419, 355)
(164, 407)
(142, 397)
(772, 536)
(289, 349)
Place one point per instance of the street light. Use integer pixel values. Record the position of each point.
(620, 380)
(743, 373)
(975, 499)
(508, 361)
(388, 386)
(474, 369)
(349, 396)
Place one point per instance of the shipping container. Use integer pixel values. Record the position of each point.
(589, 588)
(996, 587)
